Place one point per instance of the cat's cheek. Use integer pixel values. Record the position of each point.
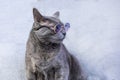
(43, 32)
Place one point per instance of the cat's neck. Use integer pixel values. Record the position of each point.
(49, 46)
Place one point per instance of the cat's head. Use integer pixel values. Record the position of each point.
(48, 28)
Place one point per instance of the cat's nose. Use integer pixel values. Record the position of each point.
(64, 34)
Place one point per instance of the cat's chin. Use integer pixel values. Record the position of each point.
(58, 41)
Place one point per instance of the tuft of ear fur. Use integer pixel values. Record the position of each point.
(56, 14)
(37, 16)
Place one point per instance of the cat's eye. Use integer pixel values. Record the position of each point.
(58, 28)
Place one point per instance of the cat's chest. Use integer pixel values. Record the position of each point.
(42, 64)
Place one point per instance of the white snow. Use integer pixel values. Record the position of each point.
(94, 36)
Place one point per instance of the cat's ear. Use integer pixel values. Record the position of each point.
(37, 16)
(56, 14)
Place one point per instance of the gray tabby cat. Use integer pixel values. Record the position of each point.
(46, 56)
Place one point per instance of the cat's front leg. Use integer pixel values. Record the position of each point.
(62, 73)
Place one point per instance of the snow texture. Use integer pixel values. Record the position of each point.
(94, 36)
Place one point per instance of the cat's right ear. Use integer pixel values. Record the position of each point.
(37, 16)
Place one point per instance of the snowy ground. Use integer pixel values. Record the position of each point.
(94, 36)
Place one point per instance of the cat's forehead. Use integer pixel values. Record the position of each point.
(50, 21)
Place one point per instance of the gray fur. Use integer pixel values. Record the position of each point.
(46, 56)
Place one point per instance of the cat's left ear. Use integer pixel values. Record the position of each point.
(37, 16)
(56, 14)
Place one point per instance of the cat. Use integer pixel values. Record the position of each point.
(46, 56)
